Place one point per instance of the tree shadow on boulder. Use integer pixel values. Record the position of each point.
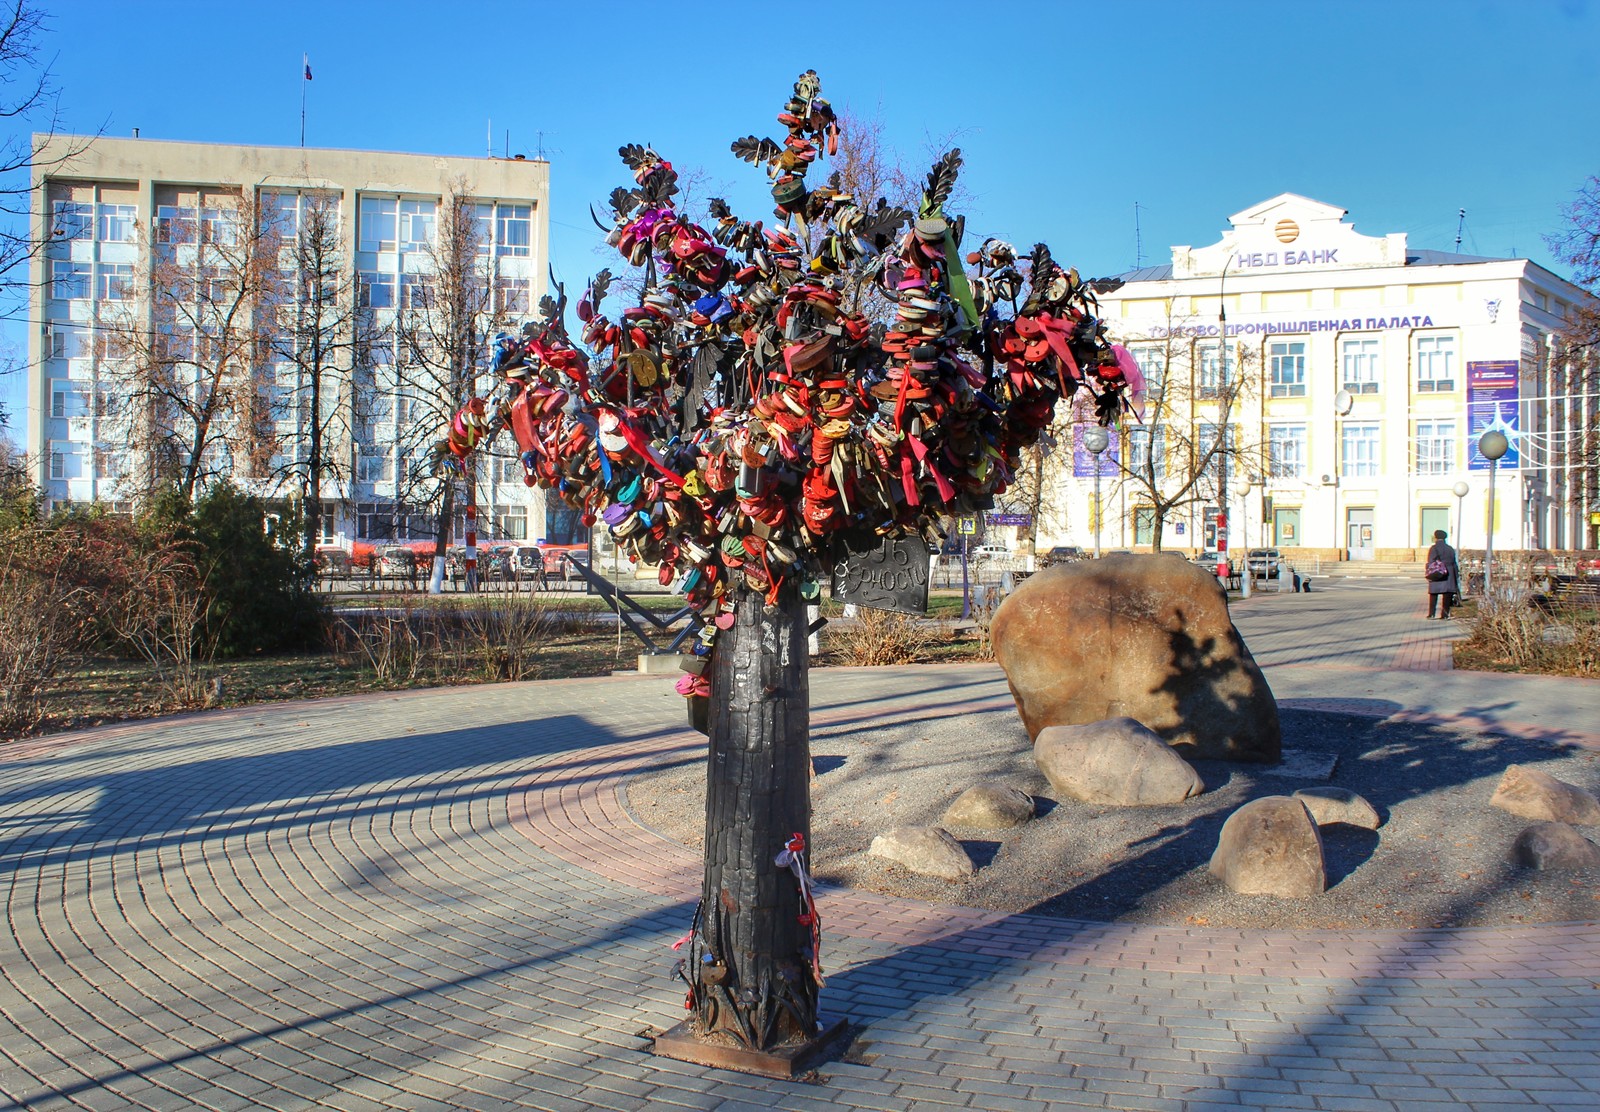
(1224, 707)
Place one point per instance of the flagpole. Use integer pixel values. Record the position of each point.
(305, 68)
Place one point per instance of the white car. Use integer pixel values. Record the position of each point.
(991, 552)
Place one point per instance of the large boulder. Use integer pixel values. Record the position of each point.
(1117, 761)
(1271, 847)
(1555, 845)
(989, 807)
(924, 849)
(1147, 637)
(1538, 795)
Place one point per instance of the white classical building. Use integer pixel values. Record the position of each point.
(109, 212)
(1358, 374)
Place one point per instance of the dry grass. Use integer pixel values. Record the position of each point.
(1518, 636)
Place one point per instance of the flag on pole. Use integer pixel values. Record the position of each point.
(307, 60)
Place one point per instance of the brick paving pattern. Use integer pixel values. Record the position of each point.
(435, 900)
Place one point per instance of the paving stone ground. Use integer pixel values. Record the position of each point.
(437, 900)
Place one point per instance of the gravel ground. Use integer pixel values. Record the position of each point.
(1439, 859)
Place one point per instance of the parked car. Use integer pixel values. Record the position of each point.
(991, 551)
(527, 563)
(333, 562)
(1265, 563)
(395, 562)
(1061, 554)
(493, 563)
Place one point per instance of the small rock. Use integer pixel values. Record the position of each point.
(1271, 847)
(989, 807)
(1115, 761)
(1538, 795)
(1555, 845)
(1329, 805)
(924, 849)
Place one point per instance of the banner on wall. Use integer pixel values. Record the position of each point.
(1491, 403)
(1083, 460)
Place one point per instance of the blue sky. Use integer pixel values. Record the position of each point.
(1402, 111)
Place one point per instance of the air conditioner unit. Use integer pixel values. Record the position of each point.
(1330, 480)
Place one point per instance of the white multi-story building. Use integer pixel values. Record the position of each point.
(1359, 375)
(119, 218)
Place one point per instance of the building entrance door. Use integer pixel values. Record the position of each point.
(1286, 528)
(1359, 534)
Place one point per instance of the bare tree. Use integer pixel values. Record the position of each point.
(1576, 377)
(28, 100)
(443, 331)
(1188, 435)
(190, 355)
(319, 331)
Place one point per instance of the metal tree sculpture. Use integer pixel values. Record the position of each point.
(745, 428)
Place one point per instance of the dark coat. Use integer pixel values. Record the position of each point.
(1450, 586)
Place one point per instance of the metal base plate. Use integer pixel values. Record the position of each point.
(785, 1063)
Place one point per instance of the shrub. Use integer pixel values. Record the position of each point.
(879, 637)
(40, 616)
(259, 593)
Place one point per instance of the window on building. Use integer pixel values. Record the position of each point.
(175, 224)
(1358, 362)
(511, 296)
(416, 225)
(58, 464)
(109, 464)
(374, 468)
(1214, 369)
(1286, 451)
(70, 281)
(69, 399)
(114, 282)
(509, 523)
(1215, 459)
(116, 223)
(378, 218)
(377, 290)
(219, 225)
(1140, 442)
(69, 341)
(1436, 364)
(1152, 360)
(72, 220)
(1144, 525)
(514, 229)
(415, 291)
(505, 469)
(1436, 447)
(1286, 362)
(1360, 450)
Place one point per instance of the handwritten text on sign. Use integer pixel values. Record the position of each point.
(885, 574)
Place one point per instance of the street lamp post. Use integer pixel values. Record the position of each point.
(1343, 402)
(1246, 573)
(1460, 489)
(1096, 440)
(1491, 445)
(1222, 391)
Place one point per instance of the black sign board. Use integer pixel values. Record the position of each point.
(885, 573)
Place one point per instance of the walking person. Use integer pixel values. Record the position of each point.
(1444, 576)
